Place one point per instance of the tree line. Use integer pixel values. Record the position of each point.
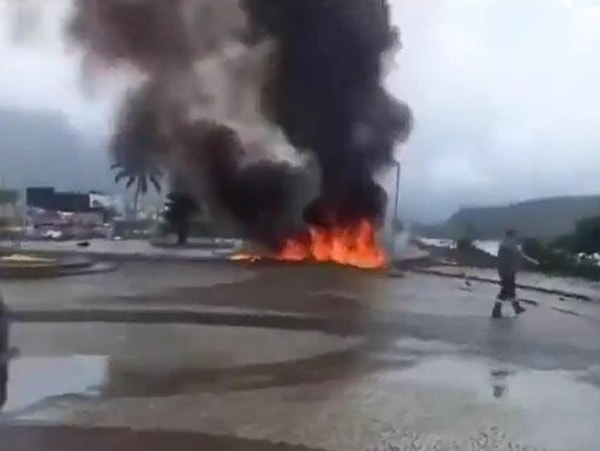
(576, 254)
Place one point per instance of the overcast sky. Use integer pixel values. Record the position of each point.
(506, 96)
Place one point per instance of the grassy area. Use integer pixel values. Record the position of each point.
(559, 262)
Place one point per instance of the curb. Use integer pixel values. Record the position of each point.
(98, 267)
(566, 294)
(216, 254)
(335, 326)
(132, 257)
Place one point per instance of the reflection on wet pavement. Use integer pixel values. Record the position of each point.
(331, 290)
(38, 385)
(458, 395)
(124, 381)
(130, 281)
(550, 409)
(36, 382)
(419, 366)
(424, 386)
(150, 361)
(122, 439)
(500, 382)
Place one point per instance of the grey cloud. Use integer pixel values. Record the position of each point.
(506, 103)
(505, 94)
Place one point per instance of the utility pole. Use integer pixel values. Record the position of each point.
(393, 236)
(397, 196)
(395, 210)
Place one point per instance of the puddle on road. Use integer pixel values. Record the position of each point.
(414, 345)
(550, 409)
(35, 383)
(49, 388)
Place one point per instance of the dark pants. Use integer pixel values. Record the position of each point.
(508, 292)
(508, 286)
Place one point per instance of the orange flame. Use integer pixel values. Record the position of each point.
(345, 245)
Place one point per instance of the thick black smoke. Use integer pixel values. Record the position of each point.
(138, 140)
(257, 196)
(226, 75)
(325, 90)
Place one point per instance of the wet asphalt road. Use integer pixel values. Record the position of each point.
(366, 362)
(119, 439)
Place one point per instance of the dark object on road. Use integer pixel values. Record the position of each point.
(529, 302)
(4, 357)
(83, 244)
(468, 285)
(517, 307)
(497, 310)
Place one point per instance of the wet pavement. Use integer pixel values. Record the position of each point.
(346, 360)
(123, 439)
(569, 286)
(123, 250)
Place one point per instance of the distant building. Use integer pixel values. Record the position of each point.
(46, 198)
(46, 207)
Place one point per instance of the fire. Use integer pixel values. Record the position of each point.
(245, 258)
(354, 245)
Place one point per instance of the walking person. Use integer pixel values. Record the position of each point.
(509, 263)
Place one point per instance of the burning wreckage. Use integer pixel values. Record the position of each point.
(273, 111)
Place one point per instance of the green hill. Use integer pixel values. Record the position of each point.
(540, 218)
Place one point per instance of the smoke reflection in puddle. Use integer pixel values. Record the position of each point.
(35, 381)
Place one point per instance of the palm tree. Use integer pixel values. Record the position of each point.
(140, 175)
(137, 141)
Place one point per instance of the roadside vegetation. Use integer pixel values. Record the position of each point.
(576, 255)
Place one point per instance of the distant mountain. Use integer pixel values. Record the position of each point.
(541, 218)
(41, 149)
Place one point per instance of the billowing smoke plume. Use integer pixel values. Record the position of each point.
(245, 98)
